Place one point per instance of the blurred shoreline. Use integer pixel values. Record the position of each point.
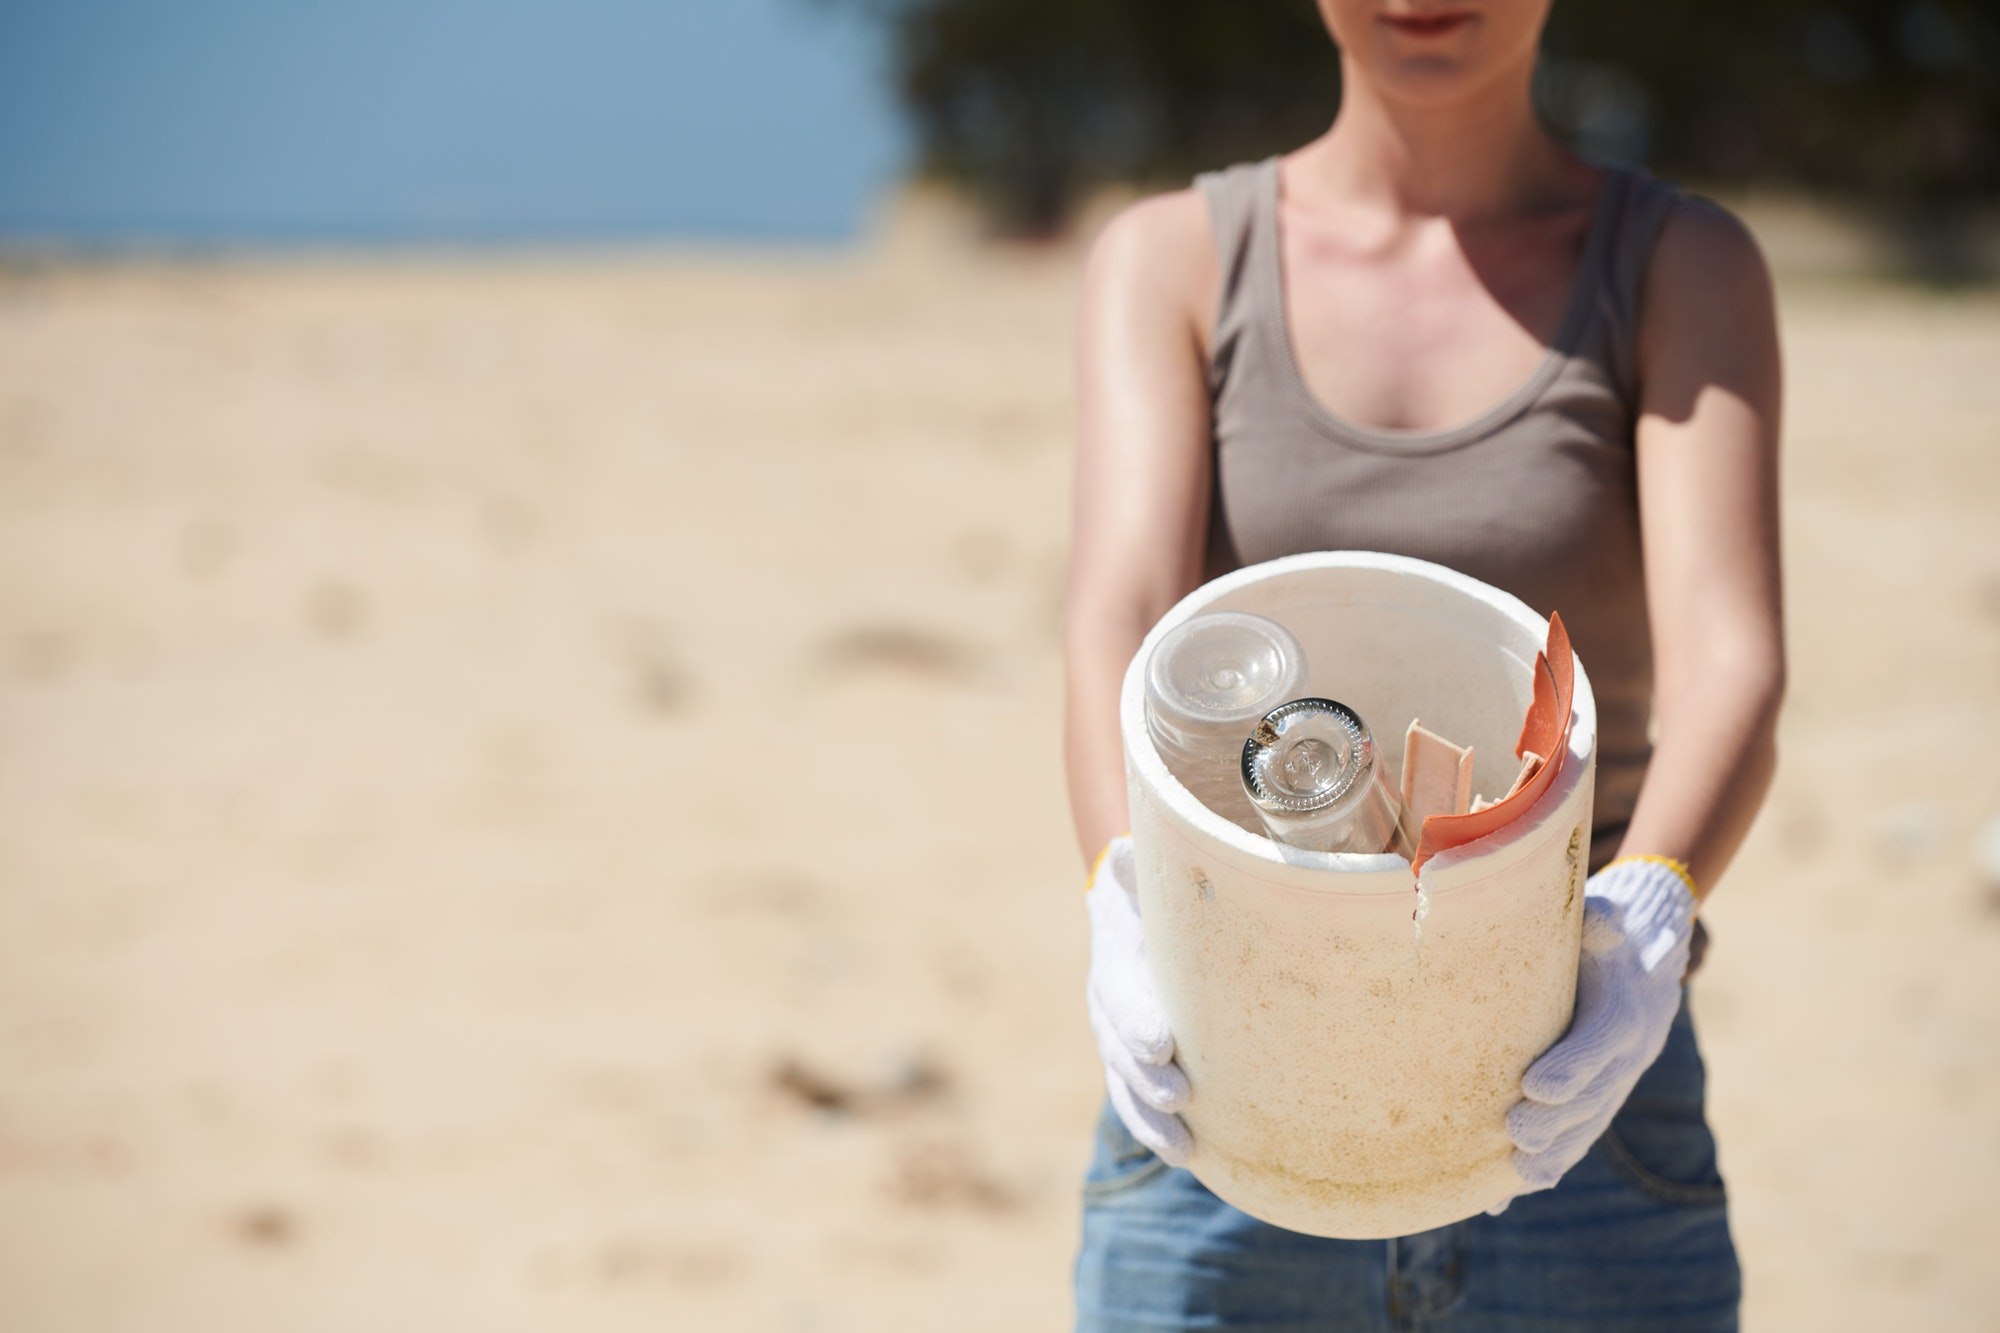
(1806, 237)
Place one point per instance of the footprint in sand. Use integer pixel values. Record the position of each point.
(207, 548)
(981, 554)
(899, 649)
(264, 1227)
(336, 610)
(664, 686)
(42, 657)
(510, 525)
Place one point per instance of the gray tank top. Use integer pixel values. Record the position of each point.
(1537, 496)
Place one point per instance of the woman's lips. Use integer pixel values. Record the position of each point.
(1427, 25)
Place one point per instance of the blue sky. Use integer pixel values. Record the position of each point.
(364, 120)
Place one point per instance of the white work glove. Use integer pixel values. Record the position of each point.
(1637, 919)
(1130, 1024)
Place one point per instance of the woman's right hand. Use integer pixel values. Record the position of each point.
(1126, 1015)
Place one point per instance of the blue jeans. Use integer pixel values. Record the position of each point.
(1635, 1239)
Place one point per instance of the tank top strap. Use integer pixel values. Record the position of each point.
(1633, 217)
(1236, 205)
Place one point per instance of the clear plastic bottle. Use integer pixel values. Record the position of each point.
(1314, 776)
(1207, 684)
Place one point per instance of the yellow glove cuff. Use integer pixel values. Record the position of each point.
(1678, 867)
(1098, 864)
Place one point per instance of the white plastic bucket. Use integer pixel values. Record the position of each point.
(1351, 1073)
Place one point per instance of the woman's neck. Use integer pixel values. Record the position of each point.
(1479, 157)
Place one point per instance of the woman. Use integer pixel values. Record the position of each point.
(1434, 331)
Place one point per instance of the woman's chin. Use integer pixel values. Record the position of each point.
(1431, 81)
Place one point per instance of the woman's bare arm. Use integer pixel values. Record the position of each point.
(1142, 475)
(1708, 504)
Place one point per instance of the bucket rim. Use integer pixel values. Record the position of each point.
(1364, 874)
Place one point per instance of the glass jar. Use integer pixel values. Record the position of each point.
(1313, 774)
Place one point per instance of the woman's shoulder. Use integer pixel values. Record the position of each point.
(1707, 289)
(1156, 253)
(1699, 242)
(1160, 228)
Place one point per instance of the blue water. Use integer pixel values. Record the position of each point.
(484, 120)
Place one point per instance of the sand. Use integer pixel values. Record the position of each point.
(532, 800)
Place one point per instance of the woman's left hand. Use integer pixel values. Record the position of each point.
(1638, 916)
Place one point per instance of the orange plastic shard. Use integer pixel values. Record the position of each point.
(1545, 731)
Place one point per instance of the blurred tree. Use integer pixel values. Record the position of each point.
(1029, 103)
(1891, 99)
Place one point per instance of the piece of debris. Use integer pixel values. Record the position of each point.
(911, 1081)
(1437, 775)
(811, 1087)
